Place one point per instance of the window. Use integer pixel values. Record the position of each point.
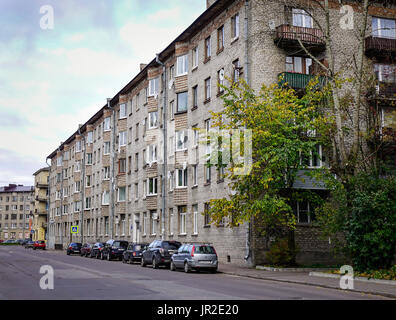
(152, 153)
(145, 218)
(207, 89)
(89, 158)
(171, 72)
(171, 109)
(88, 181)
(136, 191)
(137, 101)
(123, 111)
(207, 48)
(195, 96)
(154, 87)
(182, 101)
(153, 120)
(154, 222)
(171, 221)
(87, 203)
(182, 65)
(152, 185)
(298, 65)
(171, 180)
(303, 211)
(206, 214)
(106, 173)
(235, 26)
(314, 159)
(194, 175)
(195, 218)
(106, 148)
(59, 161)
(106, 198)
(77, 186)
(181, 140)
(182, 178)
(236, 72)
(137, 131)
(121, 194)
(77, 206)
(182, 210)
(106, 124)
(208, 172)
(301, 18)
(384, 28)
(136, 161)
(123, 138)
(195, 57)
(220, 39)
(122, 166)
(90, 137)
(220, 80)
(385, 73)
(78, 146)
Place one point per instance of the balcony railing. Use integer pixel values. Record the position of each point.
(287, 36)
(380, 47)
(384, 91)
(298, 81)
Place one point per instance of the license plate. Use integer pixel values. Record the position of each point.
(205, 261)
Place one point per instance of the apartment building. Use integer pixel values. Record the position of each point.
(137, 171)
(16, 207)
(40, 212)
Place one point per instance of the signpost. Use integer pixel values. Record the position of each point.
(74, 229)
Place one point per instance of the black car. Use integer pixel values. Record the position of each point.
(96, 250)
(159, 252)
(134, 252)
(114, 249)
(86, 249)
(74, 247)
(29, 244)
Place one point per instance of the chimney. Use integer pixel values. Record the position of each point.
(209, 3)
(142, 66)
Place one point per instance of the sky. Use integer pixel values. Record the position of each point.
(54, 77)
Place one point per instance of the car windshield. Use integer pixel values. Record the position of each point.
(171, 245)
(204, 249)
(75, 245)
(138, 247)
(121, 244)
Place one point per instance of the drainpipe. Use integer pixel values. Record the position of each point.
(83, 187)
(248, 256)
(165, 160)
(49, 226)
(113, 152)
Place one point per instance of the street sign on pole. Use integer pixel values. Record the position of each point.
(74, 229)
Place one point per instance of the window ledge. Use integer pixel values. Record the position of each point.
(206, 60)
(194, 235)
(207, 101)
(180, 112)
(206, 226)
(194, 108)
(195, 68)
(206, 184)
(220, 50)
(182, 234)
(194, 186)
(181, 75)
(234, 39)
(220, 93)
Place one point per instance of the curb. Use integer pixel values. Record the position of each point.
(291, 269)
(382, 294)
(362, 279)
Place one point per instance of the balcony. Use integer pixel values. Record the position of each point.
(286, 37)
(41, 199)
(41, 185)
(298, 81)
(380, 47)
(384, 93)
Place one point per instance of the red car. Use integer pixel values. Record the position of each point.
(39, 245)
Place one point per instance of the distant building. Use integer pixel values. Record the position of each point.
(16, 209)
(40, 212)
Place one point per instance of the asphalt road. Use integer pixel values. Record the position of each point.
(80, 278)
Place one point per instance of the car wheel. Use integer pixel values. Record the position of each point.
(154, 263)
(123, 260)
(34, 248)
(142, 263)
(108, 257)
(172, 266)
(213, 270)
(101, 256)
(68, 253)
(186, 267)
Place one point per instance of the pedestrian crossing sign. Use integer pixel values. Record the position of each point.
(74, 229)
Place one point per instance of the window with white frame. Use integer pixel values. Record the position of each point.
(171, 109)
(153, 119)
(182, 65)
(77, 206)
(90, 137)
(106, 148)
(171, 177)
(106, 173)
(208, 92)
(121, 194)
(235, 26)
(106, 124)
(385, 72)
(89, 158)
(195, 57)
(77, 186)
(208, 49)
(195, 218)
(152, 186)
(194, 175)
(303, 211)
(88, 182)
(59, 161)
(145, 220)
(87, 203)
(78, 146)
(123, 111)
(181, 140)
(314, 159)
(152, 153)
(154, 221)
(236, 72)
(182, 101)
(182, 210)
(154, 87)
(301, 18)
(136, 191)
(182, 178)
(384, 28)
(106, 198)
(123, 138)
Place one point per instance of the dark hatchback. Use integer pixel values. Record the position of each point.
(159, 252)
(74, 247)
(114, 249)
(134, 252)
(96, 251)
(86, 249)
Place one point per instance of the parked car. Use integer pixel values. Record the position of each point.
(74, 247)
(159, 252)
(86, 249)
(96, 251)
(20, 241)
(114, 249)
(134, 252)
(10, 241)
(24, 242)
(29, 244)
(195, 256)
(39, 245)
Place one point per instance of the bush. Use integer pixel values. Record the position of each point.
(280, 255)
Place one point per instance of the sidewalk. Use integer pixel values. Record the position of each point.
(302, 277)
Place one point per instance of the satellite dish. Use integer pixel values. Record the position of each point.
(272, 24)
(221, 74)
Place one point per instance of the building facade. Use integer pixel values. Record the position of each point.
(137, 169)
(40, 213)
(16, 208)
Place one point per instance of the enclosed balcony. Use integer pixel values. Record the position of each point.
(298, 81)
(383, 48)
(287, 37)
